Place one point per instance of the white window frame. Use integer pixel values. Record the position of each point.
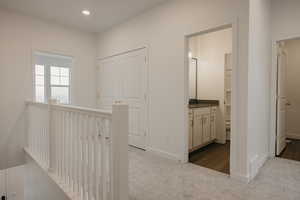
(47, 76)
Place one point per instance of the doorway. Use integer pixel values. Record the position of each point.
(123, 78)
(288, 100)
(210, 67)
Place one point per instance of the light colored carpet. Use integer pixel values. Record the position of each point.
(155, 178)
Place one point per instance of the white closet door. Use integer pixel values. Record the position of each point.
(281, 103)
(123, 78)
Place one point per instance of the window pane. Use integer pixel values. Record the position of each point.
(61, 94)
(39, 94)
(55, 71)
(64, 71)
(39, 80)
(64, 80)
(55, 80)
(39, 70)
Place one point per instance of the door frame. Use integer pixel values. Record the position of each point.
(143, 47)
(273, 94)
(234, 98)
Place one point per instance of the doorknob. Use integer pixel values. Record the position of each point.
(288, 103)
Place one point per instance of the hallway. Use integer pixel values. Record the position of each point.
(155, 178)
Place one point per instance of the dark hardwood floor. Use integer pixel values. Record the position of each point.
(213, 156)
(292, 151)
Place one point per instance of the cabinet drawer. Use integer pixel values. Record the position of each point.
(201, 111)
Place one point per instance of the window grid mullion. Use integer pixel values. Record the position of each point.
(48, 83)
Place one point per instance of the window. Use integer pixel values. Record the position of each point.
(52, 77)
(59, 84)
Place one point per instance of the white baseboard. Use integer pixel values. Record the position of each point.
(255, 165)
(164, 154)
(295, 136)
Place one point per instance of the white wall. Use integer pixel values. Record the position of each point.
(292, 88)
(259, 83)
(285, 19)
(163, 31)
(12, 183)
(19, 37)
(38, 185)
(210, 50)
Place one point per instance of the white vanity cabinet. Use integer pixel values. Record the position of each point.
(202, 127)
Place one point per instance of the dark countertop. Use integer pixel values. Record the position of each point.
(203, 103)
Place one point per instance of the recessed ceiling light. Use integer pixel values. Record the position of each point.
(86, 12)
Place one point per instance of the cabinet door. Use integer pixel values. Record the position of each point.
(191, 129)
(206, 127)
(197, 129)
(213, 120)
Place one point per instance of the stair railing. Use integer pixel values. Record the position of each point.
(84, 150)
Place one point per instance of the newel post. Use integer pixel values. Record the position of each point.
(119, 142)
(51, 135)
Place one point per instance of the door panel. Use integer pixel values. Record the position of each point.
(123, 78)
(197, 129)
(191, 129)
(281, 102)
(206, 127)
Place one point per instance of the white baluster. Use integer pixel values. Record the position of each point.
(104, 160)
(73, 143)
(90, 154)
(51, 144)
(60, 144)
(78, 153)
(84, 158)
(68, 142)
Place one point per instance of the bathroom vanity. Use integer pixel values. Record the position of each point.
(202, 123)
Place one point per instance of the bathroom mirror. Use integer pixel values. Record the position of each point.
(193, 70)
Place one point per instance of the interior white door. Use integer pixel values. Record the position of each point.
(281, 102)
(123, 78)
